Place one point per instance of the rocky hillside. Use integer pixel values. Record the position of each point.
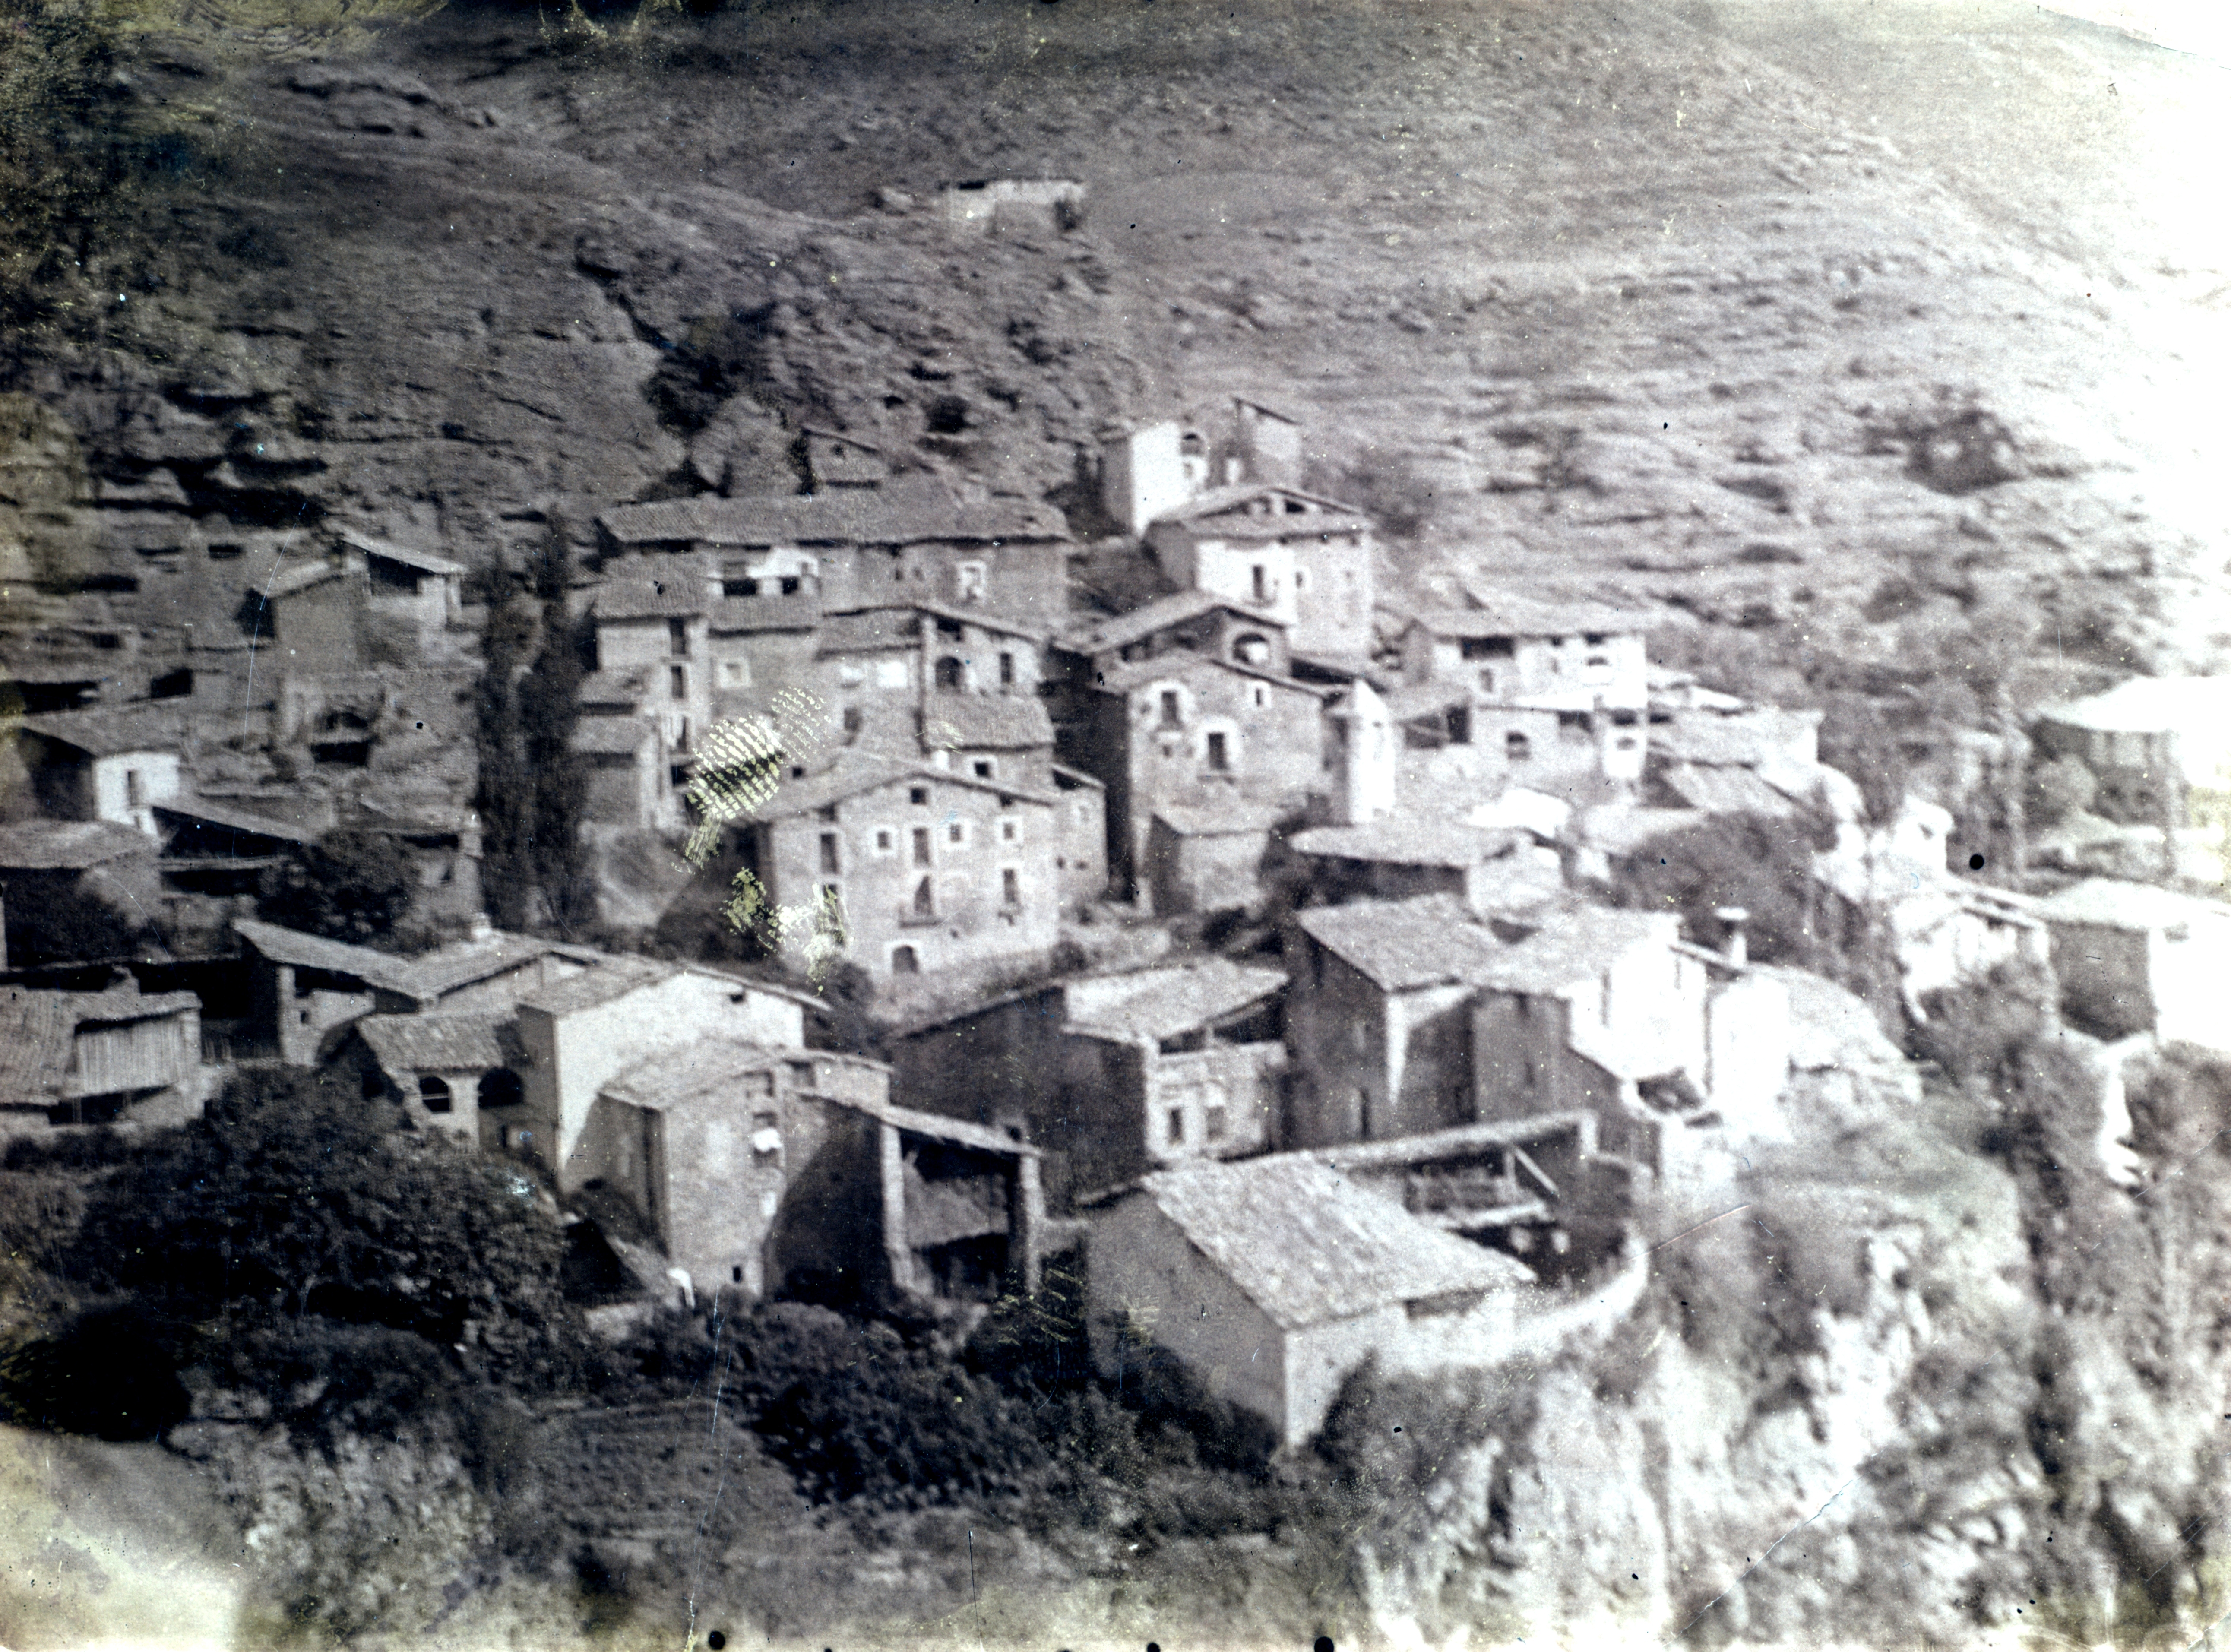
(1856, 339)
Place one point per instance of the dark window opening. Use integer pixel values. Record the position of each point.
(739, 587)
(1488, 647)
(1219, 758)
(983, 768)
(1171, 715)
(434, 1094)
(925, 901)
(1175, 1124)
(918, 794)
(1010, 887)
(948, 673)
(500, 1087)
(829, 852)
(947, 627)
(1517, 747)
(677, 638)
(1006, 670)
(677, 682)
(342, 754)
(1262, 583)
(173, 685)
(921, 849)
(788, 585)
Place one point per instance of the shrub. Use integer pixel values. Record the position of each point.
(352, 885)
(111, 1372)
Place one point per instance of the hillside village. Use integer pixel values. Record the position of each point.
(1279, 947)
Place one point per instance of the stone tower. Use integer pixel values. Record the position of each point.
(1364, 757)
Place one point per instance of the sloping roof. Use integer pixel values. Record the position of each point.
(1725, 790)
(986, 721)
(1576, 944)
(896, 513)
(123, 1005)
(2110, 904)
(960, 1132)
(300, 576)
(68, 845)
(1070, 780)
(613, 687)
(1401, 945)
(703, 1069)
(866, 629)
(613, 976)
(1622, 828)
(1408, 841)
(455, 966)
(1125, 676)
(233, 819)
(1733, 739)
(1216, 501)
(731, 615)
(660, 592)
(283, 945)
(424, 562)
(610, 736)
(1501, 614)
(57, 670)
(1120, 630)
(1162, 1002)
(855, 773)
(2149, 705)
(462, 1042)
(1407, 701)
(1223, 821)
(109, 731)
(1308, 1247)
(36, 1029)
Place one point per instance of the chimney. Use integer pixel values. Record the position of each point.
(478, 928)
(1733, 945)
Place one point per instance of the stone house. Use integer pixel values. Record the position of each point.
(905, 868)
(2160, 747)
(334, 611)
(1111, 1075)
(214, 848)
(759, 1169)
(1298, 558)
(907, 539)
(103, 763)
(1490, 871)
(653, 659)
(1271, 1281)
(306, 989)
(2133, 958)
(981, 204)
(921, 678)
(456, 1072)
(1207, 859)
(1191, 732)
(763, 650)
(1184, 622)
(1155, 468)
(1762, 761)
(422, 593)
(578, 1032)
(106, 1058)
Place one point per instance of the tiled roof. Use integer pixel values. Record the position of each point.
(2149, 705)
(1431, 941)
(1217, 501)
(1120, 630)
(612, 977)
(2109, 904)
(123, 1005)
(1407, 842)
(424, 978)
(650, 591)
(300, 576)
(893, 513)
(1308, 1247)
(1162, 1002)
(1724, 790)
(986, 723)
(707, 1069)
(612, 688)
(734, 615)
(464, 1042)
(239, 820)
(68, 845)
(1223, 820)
(424, 562)
(1620, 828)
(1407, 701)
(1743, 738)
(1574, 945)
(1125, 676)
(856, 773)
(466, 962)
(864, 630)
(610, 736)
(108, 731)
(1504, 615)
(37, 1029)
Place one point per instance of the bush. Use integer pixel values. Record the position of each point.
(111, 1372)
(352, 884)
(327, 1379)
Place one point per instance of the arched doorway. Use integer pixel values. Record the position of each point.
(500, 1087)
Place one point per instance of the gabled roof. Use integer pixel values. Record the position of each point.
(466, 1041)
(1725, 790)
(1308, 1247)
(1501, 614)
(1622, 828)
(242, 821)
(857, 773)
(1577, 944)
(900, 512)
(734, 615)
(1165, 1001)
(613, 687)
(1431, 940)
(110, 731)
(1121, 630)
(300, 576)
(1724, 738)
(898, 625)
(424, 562)
(1409, 842)
(424, 978)
(704, 1070)
(1124, 676)
(1223, 820)
(2110, 904)
(612, 977)
(68, 845)
(1215, 501)
(986, 723)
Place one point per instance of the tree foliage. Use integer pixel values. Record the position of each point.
(1756, 862)
(58, 160)
(352, 885)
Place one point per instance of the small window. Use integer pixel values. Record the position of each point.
(434, 1094)
(983, 767)
(905, 962)
(736, 1275)
(677, 682)
(739, 587)
(789, 585)
(921, 845)
(1006, 670)
(225, 552)
(135, 790)
(1010, 831)
(1172, 716)
(832, 902)
(1487, 679)
(1517, 747)
(677, 638)
(1214, 1125)
(677, 776)
(173, 685)
(956, 831)
(1261, 581)
(829, 853)
(1174, 1126)
(925, 900)
(968, 581)
(918, 796)
(1261, 696)
(1219, 756)
(1010, 886)
(735, 674)
(950, 673)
